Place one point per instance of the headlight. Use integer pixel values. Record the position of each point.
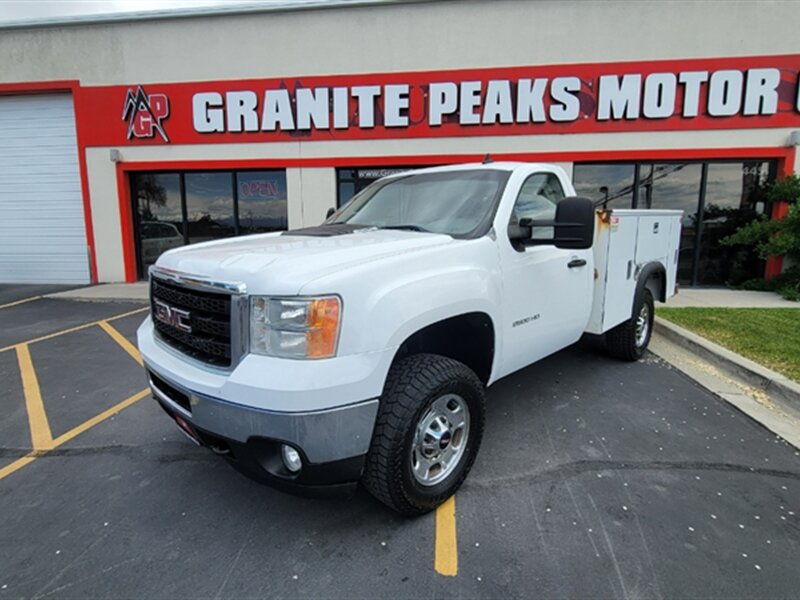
(295, 327)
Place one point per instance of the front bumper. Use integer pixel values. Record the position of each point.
(332, 442)
(325, 409)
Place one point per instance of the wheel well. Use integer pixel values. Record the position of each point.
(467, 338)
(655, 281)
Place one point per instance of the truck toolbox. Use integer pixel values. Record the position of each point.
(625, 242)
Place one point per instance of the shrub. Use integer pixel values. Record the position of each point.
(776, 238)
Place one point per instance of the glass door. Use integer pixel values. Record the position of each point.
(159, 223)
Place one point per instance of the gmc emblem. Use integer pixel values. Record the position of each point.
(174, 317)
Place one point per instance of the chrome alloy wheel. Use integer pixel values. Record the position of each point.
(642, 325)
(440, 439)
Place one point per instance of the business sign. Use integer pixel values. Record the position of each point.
(729, 93)
(144, 114)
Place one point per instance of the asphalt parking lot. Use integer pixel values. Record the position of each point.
(596, 478)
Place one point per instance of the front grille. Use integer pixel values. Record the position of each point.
(209, 319)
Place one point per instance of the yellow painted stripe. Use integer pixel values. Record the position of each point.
(74, 432)
(17, 465)
(122, 341)
(446, 546)
(76, 328)
(128, 314)
(41, 437)
(18, 302)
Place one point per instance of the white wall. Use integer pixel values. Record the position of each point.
(397, 37)
(311, 193)
(106, 219)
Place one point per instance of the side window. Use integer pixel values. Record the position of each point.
(537, 200)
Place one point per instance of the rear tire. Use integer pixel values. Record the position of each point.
(427, 434)
(629, 340)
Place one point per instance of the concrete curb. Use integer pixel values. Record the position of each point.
(783, 390)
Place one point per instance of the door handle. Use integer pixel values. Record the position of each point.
(576, 262)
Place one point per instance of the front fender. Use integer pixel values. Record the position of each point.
(387, 301)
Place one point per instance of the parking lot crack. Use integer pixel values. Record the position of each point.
(580, 467)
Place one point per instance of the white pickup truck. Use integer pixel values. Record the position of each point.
(359, 350)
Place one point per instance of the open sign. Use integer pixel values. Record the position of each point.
(260, 188)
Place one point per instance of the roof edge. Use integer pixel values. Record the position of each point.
(199, 11)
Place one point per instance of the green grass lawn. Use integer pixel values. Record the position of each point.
(769, 336)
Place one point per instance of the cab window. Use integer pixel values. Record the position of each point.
(537, 200)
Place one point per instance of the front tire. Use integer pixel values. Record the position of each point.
(427, 434)
(629, 340)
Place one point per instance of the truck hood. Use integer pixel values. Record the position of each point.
(278, 264)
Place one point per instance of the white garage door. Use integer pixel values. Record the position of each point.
(42, 232)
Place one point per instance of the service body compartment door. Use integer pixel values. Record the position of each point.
(652, 239)
(626, 241)
(614, 251)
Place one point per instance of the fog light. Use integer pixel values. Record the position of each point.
(291, 458)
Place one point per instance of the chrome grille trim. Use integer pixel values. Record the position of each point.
(197, 282)
(239, 307)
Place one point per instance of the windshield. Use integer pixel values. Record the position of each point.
(457, 203)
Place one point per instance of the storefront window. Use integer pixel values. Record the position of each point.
(209, 206)
(611, 183)
(173, 209)
(262, 201)
(157, 198)
(734, 197)
(728, 194)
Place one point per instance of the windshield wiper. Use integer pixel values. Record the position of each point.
(406, 228)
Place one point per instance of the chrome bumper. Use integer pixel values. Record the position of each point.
(323, 436)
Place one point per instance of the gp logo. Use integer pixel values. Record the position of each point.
(145, 113)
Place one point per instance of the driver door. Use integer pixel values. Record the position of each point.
(547, 290)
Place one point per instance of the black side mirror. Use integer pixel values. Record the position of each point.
(573, 226)
(519, 233)
(575, 223)
(330, 212)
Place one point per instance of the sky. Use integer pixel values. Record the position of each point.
(25, 10)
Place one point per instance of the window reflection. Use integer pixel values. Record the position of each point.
(353, 181)
(262, 201)
(734, 197)
(160, 218)
(674, 186)
(208, 200)
(605, 182)
(209, 206)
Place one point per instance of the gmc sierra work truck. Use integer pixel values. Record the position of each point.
(359, 350)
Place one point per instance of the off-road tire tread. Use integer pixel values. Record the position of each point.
(410, 382)
(621, 340)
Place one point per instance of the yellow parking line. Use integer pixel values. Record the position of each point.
(41, 437)
(18, 302)
(75, 431)
(17, 465)
(76, 328)
(446, 546)
(122, 341)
